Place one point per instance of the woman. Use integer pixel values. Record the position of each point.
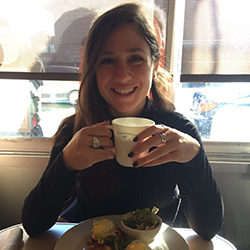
(122, 77)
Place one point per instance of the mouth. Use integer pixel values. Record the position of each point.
(124, 91)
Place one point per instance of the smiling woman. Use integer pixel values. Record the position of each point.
(121, 76)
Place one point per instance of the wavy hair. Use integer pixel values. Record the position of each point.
(92, 108)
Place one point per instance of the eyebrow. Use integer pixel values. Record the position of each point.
(107, 52)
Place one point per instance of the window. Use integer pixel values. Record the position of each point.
(213, 61)
(216, 37)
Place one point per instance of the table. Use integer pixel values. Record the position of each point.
(47, 240)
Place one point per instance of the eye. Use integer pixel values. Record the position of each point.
(136, 59)
(107, 61)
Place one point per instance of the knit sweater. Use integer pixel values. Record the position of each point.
(108, 188)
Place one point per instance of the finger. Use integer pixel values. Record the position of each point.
(81, 140)
(104, 141)
(94, 156)
(96, 130)
(151, 131)
(78, 157)
(156, 153)
(104, 123)
(153, 141)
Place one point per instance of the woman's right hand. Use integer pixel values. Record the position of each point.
(79, 153)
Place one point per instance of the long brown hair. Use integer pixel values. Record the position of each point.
(92, 107)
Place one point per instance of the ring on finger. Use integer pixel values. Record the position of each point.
(163, 137)
(96, 143)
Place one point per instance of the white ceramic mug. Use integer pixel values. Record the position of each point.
(125, 130)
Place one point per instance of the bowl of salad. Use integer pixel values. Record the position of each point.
(141, 224)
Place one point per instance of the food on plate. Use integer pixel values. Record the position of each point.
(142, 224)
(137, 245)
(99, 247)
(105, 235)
(103, 228)
(135, 231)
(142, 219)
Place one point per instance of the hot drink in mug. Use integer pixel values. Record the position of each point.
(125, 130)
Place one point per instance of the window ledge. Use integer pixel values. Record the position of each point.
(225, 152)
(25, 145)
(217, 152)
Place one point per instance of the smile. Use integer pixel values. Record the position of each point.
(124, 91)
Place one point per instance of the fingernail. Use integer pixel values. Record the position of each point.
(135, 139)
(130, 154)
(135, 164)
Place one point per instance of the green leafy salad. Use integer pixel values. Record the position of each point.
(142, 219)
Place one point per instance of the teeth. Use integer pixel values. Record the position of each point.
(124, 91)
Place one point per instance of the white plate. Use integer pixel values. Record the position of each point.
(76, 237)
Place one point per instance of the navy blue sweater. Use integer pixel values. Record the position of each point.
(108, 188)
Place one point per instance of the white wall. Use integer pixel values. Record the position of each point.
(22, 161)
(234, 183)
(18, 174)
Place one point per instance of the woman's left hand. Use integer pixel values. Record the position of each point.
(170, 145)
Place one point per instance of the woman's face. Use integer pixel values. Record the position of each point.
(124, 71)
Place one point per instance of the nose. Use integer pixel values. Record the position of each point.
(122, 72)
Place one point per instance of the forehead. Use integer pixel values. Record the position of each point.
(126, 36)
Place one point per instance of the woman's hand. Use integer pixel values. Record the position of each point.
(80, 154)
(170, 145)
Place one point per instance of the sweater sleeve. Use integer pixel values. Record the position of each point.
(45, 202)
(202, 200)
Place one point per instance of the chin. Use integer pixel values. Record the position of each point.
(126, 112)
